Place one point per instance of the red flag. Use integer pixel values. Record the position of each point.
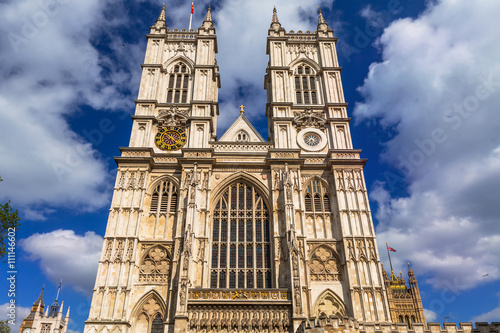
(391, 249)
(192, 8)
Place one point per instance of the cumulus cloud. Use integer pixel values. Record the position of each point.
(438, 90)
(62, 254)
(50, 69)
(20, 313)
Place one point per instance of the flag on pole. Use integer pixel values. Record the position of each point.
(391, 249)
(191, 16)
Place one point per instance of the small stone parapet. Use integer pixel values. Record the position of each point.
(335, 324)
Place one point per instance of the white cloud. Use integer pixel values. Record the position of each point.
(49, 69)
(430, 316)
(17, 313)
(438, 90)
(67, 256)
(490, 316)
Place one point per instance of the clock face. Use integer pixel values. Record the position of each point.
(171, 138)
(312, 139)
(27, 330)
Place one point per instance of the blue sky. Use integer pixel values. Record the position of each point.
(422, 79)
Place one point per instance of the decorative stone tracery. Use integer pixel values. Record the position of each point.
(329, 304)
(324, 265)
(155, 266)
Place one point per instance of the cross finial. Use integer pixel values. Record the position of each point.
(242, 109)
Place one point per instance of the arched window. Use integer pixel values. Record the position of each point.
(157, 325)
(241, 240)
(306, 91)
(178, 83)
(164, 198)
(45, 328)
(242, 136)
(317, 198)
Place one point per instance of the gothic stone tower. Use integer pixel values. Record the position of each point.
(238, 234)
(50, 321)
(405, 303)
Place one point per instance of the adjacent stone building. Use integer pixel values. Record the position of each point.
(52, 321)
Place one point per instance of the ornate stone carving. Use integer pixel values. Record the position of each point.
(214, 319)
(172, 117)
(109, 249)
(309, 118)
(119, 250)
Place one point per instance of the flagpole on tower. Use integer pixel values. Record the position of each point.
(191, 17)
(58, 289)
(389, 255)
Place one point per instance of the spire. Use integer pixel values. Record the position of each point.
(275, 24)
(160, 22)
(410, 271)
(321, 19)
(322, 25)
(208, 18)
(39, 300)
(67, 314)
(208, 23)
(275, 16)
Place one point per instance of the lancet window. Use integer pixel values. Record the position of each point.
(178, 83)
(241, 240)
(306, 91)
(157, 325)
(164, 198)
(150, 319)
(317, 198)
(45, 328)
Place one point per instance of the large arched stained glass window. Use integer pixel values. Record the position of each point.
(241, 240)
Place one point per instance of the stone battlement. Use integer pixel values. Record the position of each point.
(336, 324)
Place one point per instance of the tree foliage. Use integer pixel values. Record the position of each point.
(10, 220)
(4, 325)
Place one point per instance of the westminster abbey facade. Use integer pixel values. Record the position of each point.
(241, 234)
